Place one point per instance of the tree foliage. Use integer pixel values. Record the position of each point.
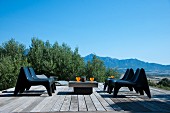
(164, 82)
(95, 69)
(112, 72)
(49, 59)
(11, 59)
(55, 60)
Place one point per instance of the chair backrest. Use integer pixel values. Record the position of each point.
(21, 77)
(136, 76)
(131, 74)
(142, 79)
(33, 73)
(27, 74)
(125, 75)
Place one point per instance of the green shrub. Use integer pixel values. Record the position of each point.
(164, 82)
(11, 59)
(7, 75)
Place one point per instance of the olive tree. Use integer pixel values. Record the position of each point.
(12, 58)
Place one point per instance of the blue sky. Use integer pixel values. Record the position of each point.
(119, 29)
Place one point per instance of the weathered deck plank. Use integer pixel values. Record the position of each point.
(74, 103)
(6, 106)
(66, 103)
(89, 103)
(108, 99)
(58, 104)
(24, 105)
(48, 107)
(82, 103)
(97, 103)
(103, 101)
(8, 109)
(37, 100)
(33, 104)
(42, 104)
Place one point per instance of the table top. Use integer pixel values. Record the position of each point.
(83, 84)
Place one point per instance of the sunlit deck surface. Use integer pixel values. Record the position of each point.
(37, 100)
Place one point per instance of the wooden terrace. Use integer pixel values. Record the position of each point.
(63, 100)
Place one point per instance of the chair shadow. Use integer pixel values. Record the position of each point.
(107, 95)
(29, 91)
(164, 97)
(65, 93)
(20, 95)
(111, 96)
(70, 93)
(25, 93)
(101, 91)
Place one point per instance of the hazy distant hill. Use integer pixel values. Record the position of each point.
(131, 63)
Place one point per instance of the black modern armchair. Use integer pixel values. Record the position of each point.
(138, 82)
(106, 83)
(25, 80)
(127, 76)
(51, 79)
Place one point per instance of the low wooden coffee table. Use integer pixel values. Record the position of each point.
(83, 87)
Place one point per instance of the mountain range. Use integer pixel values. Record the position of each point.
(122, 65)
